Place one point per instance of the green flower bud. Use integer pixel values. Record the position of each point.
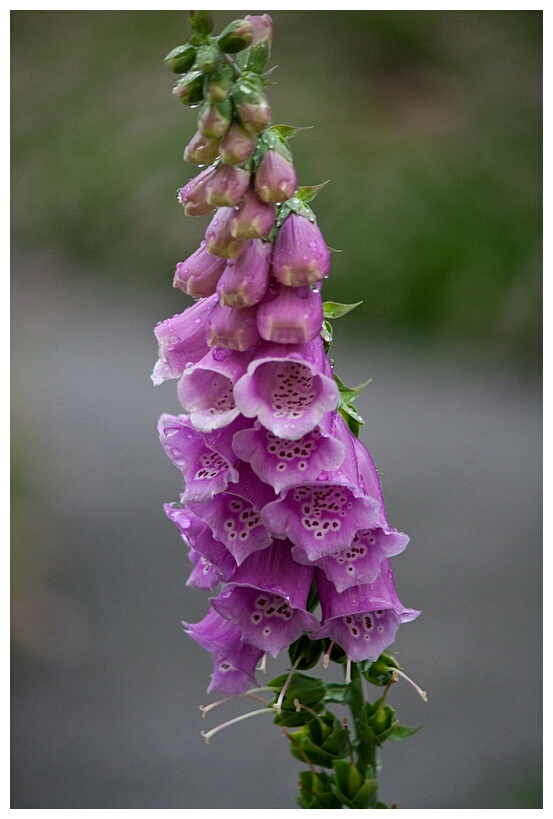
(181, 58)
(235, 37)
(381, 671)
(258, 55)
(251, 106)
(190, 88)
(207, 59)
(214, 120)
(201, 22)
(218, 84)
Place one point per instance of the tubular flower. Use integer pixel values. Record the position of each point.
(199, 274)
(245, 281)
(181, 340)
(301, 256)
(290, 315)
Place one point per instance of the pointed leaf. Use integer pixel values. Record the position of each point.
(288, 131)
(334, 310)
(309, 192)
(403, 732)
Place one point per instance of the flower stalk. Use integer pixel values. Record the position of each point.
(282, 508)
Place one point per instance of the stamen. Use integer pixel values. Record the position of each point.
(419, 690)
(348, 671)
(208, 734)
(278, 704)
(263, 664)
(326, 658)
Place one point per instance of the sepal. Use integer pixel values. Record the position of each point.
(181, 58)
(315, 791)
(307, 690)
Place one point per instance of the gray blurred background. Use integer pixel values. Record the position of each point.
(428, 125)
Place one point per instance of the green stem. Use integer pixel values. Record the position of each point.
(366, 751)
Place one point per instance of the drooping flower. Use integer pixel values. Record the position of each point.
(199, 274)
(219, 239)
(290, 315)
(253, 218)
(288, 388)
(181, 340)
(364, 619)
(201, 150)
(245, 280)
(215, 120)
(233, 328)
(282, 463)
(267, 599)
(300, 256)
(237, 145)
(234, 661)
(227, 186)
(275, 178)
(206, 388)
(193, 195)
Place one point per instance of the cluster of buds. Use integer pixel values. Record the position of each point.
(282, 508)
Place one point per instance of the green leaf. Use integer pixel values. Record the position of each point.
(403, 732)
(340, 693)
(327, 333)
(334, 310)
(309, 192)
(288, 131)
(349, 394)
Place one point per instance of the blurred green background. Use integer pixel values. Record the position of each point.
(428, 125)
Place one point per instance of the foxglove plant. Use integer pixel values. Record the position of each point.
(282, 508)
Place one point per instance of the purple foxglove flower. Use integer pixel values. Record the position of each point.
(193, 196)
(359, 563)
(234, 516)
(212, 560)
(228, 185)
(363, 620)
(267, 599)
(220, 240)
(232, 328)
(288, 389)
(181, 340)
(245, 281)
(234, 662)
(201, 150)
(206, 389)
(290, 315)
(253, 219)
(237, 145)
(215, 120)
(262, 29)
(199, 274)
(206, 460)
(300, 256)
(275, 178)
(284, 464)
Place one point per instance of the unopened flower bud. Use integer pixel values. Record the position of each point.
(251, 106)
(199, 274)
(290, 315)
(201, 22)
(232, 329)
(215, 120)
(218, 84)
(201, 150)
(181, 58)
(207, 58)
(219, 239)
(227, 186)
(245, 281)
(235, 37)
(260, 51)
(301, 256)
(193, 195)
(253, 219)
(190, 88)
(237, 145)
(275, 178)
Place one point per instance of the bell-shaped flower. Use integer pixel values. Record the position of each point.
(201, 150)
(267, 599)
(359, 563)
(232, 328)
(363, 620)
(206, 460)
(290, 315)
(234, 516)
(253, 218)
(227, 186)
(206, 388)
(288, 389)
(215, 120)
(237, 145)
(213, 563)
(245, 280)
(234, 661)
(275, 178)
(193, 195)
(199, 274)
(300, 256)
(322, 517)
(181, 340)
(284, 464)
(219, 239)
